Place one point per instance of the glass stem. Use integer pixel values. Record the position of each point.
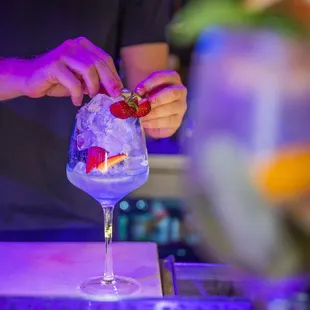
(108, 276)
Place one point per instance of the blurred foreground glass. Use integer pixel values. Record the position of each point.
(250, 151)
(107, 160)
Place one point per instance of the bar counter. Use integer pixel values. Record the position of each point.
(41, 275)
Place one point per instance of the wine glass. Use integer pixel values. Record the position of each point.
(108, 160)
(249, 175)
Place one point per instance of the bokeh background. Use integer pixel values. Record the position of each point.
(155, 211)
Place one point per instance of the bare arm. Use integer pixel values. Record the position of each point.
(60, 73)
(141, 60)
(145, 58)
(143, 43)
(12, 77)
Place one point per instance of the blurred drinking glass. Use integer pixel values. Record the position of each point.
(250, 151)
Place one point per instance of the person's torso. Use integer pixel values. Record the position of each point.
(34, 133)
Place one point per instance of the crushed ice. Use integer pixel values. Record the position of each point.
(97, 127)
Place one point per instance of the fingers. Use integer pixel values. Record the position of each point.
(171, 121)
(108, 80)
(102, 55)
(92, 64)
(168, 95)
(167, 102)
(87, 70)
(159, 133)
(158, 79)
(165, 110)
(105, 62)
(66, 78)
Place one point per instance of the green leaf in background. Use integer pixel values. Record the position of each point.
(202, 14)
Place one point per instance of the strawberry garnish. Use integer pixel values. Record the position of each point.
(121, 109)
(132, 105)
(144, 108)
(111, 161)
(95, 156)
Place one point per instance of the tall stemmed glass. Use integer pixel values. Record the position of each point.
(108, 160)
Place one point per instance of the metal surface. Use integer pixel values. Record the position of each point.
(199, 280)
(205, 280)
(168, 277)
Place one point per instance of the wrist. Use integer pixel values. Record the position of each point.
(13, 77)
(21, 72)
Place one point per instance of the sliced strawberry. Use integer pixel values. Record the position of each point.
(144, 108)
(111, 161)
(121, 109)
(95, 156)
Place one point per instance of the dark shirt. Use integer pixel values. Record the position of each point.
(34, 133)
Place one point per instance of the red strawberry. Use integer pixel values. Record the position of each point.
(95, 156)
(134, 102)
(121, 109)
(144, 108)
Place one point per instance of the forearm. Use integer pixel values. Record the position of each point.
(142, 60)
(12, 78)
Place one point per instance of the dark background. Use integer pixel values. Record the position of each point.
(140, 219)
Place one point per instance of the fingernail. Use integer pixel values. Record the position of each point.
(116, 92)
(121, 85)
(76, 101)
(152, 99)
(139, 90)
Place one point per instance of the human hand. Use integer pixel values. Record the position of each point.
(167, 96)
(74, 68)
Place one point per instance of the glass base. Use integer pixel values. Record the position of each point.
(121, 287)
